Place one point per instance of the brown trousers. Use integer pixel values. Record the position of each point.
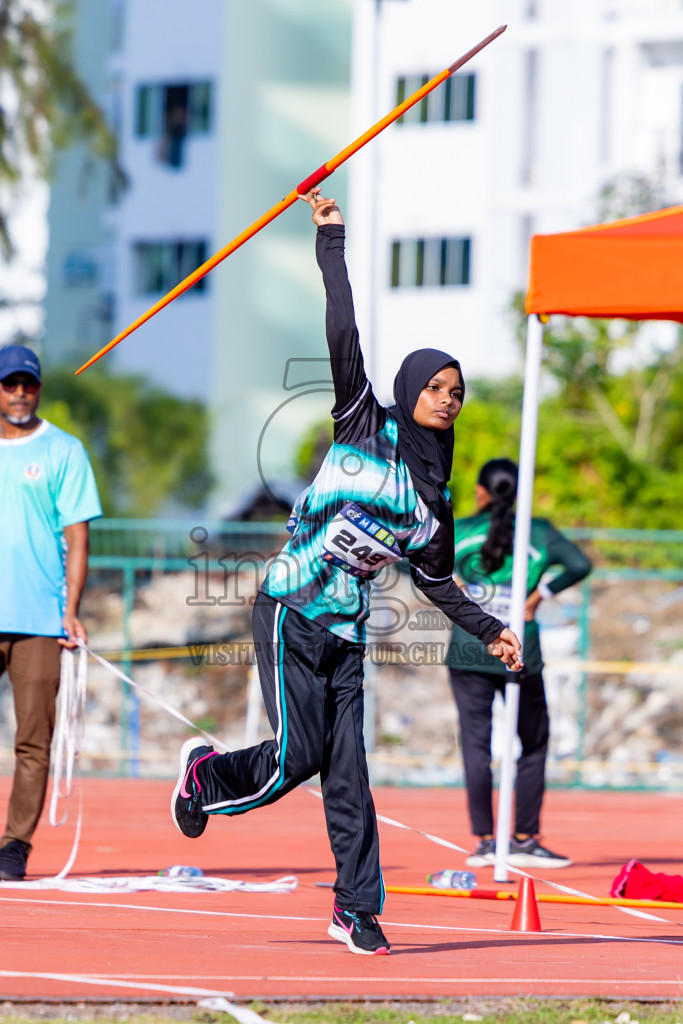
(32, 663)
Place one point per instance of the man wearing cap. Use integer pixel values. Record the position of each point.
(47, 497)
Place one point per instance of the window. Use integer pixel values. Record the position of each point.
(170, 113)
(453, 100)
(527, 166)
(160, 266)
(117, 22)
(79, 269)
(430, 262)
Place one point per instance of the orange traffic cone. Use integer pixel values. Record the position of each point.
(525, 917)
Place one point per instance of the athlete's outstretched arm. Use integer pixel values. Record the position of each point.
(346, 357)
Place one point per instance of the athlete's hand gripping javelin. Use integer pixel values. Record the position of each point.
(325, 211)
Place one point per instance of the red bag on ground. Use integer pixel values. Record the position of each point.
(635, 882)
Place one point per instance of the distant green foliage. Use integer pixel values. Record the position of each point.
(629, 195)
(609, 444)
(312, 449)
(147, 447)
(487, 428)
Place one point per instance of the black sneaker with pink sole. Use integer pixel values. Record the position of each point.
(186, 804)
(360, 931)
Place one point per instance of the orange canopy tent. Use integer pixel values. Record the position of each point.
(631, 269)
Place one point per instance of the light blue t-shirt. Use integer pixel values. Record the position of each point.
(46, 483)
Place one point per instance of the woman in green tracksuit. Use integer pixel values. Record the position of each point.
(483, 561)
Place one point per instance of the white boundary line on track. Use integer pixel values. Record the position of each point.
(192, 991)
(211, 1000)
(343, 978)
(316, 920)
(91, 979)
(160, 910)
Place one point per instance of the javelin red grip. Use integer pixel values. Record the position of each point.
(313, 179)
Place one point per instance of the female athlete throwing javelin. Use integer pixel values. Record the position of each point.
(380, 495)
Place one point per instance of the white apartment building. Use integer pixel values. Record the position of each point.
(571, 96)
(221, 107)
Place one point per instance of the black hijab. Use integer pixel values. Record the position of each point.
(427, 453)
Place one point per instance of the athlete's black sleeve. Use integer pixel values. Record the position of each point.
(357, 414)
(560, 551)
(431, 569)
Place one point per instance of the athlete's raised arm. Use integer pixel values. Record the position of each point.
(346, 357)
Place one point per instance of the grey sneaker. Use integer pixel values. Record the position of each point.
(484, 855)
(13, 859)
(186, 806)
(528, 853)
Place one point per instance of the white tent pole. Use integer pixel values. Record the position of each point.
(525, 489)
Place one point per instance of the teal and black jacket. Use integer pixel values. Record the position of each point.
(362, 466)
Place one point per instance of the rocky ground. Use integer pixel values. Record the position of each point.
(633, 722)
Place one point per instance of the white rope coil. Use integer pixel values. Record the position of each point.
(160, 883)
(69, 732)
(67, 744)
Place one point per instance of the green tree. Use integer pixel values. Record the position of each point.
(44, 104)
(580, 354)
(147, 447)
(487, 428)
(628, 195)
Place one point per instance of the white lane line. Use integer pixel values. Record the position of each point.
(86, 979)
(549, 934)
(212, 1000)
(159, 910)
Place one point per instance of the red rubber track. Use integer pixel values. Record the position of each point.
(168, 946)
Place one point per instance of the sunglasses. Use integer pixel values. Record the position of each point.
(31, 387)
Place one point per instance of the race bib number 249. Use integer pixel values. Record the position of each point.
(357, 543)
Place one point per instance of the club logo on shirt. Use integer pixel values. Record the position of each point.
(33, 471)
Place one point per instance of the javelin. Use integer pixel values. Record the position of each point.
(305, 186)
(493, 894)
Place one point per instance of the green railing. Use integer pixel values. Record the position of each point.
(163, 539)
(157, 542)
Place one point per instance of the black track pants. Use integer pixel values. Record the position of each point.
(312, 684)
(474, 693)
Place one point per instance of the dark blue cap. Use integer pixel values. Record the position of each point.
(18, 359)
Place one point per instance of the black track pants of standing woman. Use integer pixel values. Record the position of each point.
(474, 693)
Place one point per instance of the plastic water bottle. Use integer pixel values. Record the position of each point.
(182, 871)
(453, 880)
